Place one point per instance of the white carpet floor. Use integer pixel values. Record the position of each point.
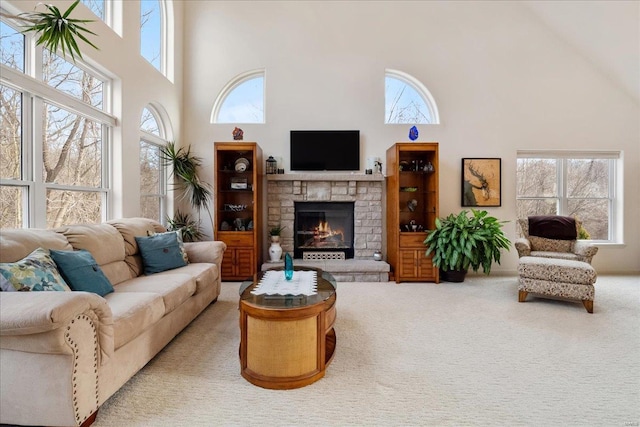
(453, 354)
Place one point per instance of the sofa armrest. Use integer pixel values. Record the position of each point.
(585, 250)
(42, 322)
(210, 251)
(523, 246)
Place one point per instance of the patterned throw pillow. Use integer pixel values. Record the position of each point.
(160, 252)
(82, 272)
(35, 272)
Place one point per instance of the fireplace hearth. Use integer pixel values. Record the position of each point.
(323, 227)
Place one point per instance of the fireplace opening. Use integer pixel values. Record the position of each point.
(323, 227)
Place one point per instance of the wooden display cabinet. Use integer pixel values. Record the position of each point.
(238, 201)
(412, 208)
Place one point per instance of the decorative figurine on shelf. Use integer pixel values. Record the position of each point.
(288, 266)
(413, 133)
(238, 134)
(378, 166)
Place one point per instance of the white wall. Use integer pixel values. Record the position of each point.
(502, 81)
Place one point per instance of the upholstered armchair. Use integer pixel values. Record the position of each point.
(553, 237)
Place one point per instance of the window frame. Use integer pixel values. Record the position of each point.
(159, 141)
(35, 94)
(614, 191)
(420, 88)
(231, 86)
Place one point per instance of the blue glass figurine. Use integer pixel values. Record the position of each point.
(413, 133)
(288, 266)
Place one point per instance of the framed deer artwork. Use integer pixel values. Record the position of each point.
(481, 182)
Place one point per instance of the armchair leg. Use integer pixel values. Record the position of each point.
(522, 295)
(588, 304)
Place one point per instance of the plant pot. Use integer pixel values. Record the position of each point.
(453, 275)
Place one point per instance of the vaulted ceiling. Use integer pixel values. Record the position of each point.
(606, 33)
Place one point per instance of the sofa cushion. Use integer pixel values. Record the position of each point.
(129, 228)
(174, 288)
(35, 272)
(160, 252)
(133, 313)
(16, 244)
(103, 241)
(81, 271)
(204, 273)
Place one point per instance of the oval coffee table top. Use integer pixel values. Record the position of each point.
(326, 289)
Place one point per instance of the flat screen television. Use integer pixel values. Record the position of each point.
(325, 150)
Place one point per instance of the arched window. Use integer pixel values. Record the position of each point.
(407, 100)
(156, 31)
(241, 100)
(153, 182)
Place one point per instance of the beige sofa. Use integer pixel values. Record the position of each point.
(62, 354)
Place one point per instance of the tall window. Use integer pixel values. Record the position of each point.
(241, 100)
(97, 7)
(153, 193)
(151, 34)
(54, 137)
(407, 100)
(578, 184)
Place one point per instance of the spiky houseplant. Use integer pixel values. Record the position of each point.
(189, 227)
(460, 242)
(184, 167)
(56, 29)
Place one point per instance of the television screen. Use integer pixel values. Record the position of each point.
(325, 150)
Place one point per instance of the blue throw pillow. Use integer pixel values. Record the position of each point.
(160, 252)
(81, 271)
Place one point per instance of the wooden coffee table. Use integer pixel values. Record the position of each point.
(287, 341)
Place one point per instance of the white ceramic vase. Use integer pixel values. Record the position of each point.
(275, 250)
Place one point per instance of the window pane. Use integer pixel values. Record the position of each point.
(594, 214)
(73, 207)
(68, 78)
(150, 166)
(10, 133)
(96, 6)
(149, 123)
(11, 47)
(244, 104)
(150, 207)
(528, 207)
(11, 212)
(150, 31)
(404, 104)
(537, 178)
(72, 149)
(588, 178)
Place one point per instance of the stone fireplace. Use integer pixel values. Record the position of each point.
(363, 191)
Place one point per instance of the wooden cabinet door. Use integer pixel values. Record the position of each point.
(227, 268)
(426, 270)
(407, 264)
(244, 263)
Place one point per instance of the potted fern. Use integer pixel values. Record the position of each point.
(460, 242)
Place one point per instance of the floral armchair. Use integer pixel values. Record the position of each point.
(553, 237)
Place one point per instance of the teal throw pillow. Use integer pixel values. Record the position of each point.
(35, 272)
(160, 252)
(82, 272)
(178, 234)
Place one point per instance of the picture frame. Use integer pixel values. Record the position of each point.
(481, 182)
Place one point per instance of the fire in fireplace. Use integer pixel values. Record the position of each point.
(323, 227)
